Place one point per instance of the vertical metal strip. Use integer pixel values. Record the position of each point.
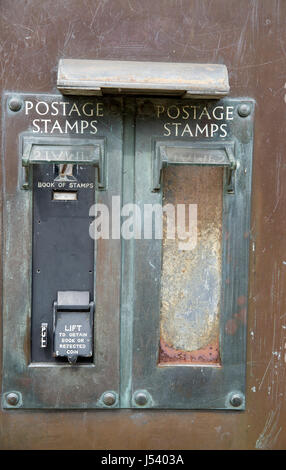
(127, 265)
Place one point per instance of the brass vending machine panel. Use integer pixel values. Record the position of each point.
(179, 340)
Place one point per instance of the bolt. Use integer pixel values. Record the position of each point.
(140, 398)
(12, 399)
(236, 400)
(15, 104)
(109, 398)
(244, 110)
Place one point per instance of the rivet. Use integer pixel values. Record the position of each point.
(15, 104)
(114, 107)
(109, 398)
(140, 398)
(244, 110)
(236, 400)
(12, 399)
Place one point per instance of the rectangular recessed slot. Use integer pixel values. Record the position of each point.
(64, 195)
(191, 279)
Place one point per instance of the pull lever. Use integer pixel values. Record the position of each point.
(73, 325)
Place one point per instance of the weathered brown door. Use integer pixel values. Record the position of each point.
(250, 39)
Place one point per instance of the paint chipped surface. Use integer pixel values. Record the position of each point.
(191, 279)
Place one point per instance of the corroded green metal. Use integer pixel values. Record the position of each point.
(125, 372)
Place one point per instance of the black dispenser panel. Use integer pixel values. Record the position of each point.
(63, 256)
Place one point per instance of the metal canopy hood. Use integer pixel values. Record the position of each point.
(97, 77)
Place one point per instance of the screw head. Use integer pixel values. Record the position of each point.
(15, 104)
(109, 398)
(12, 399)
(140, 398)
(244, 110)
(236, 400)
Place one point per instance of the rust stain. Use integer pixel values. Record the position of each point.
(208, 355)
(242, 315)
(233, 323)
(231, 326)
(241, 300)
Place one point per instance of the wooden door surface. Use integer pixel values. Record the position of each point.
(249, 37)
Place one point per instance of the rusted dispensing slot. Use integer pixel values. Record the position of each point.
(191, 279)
